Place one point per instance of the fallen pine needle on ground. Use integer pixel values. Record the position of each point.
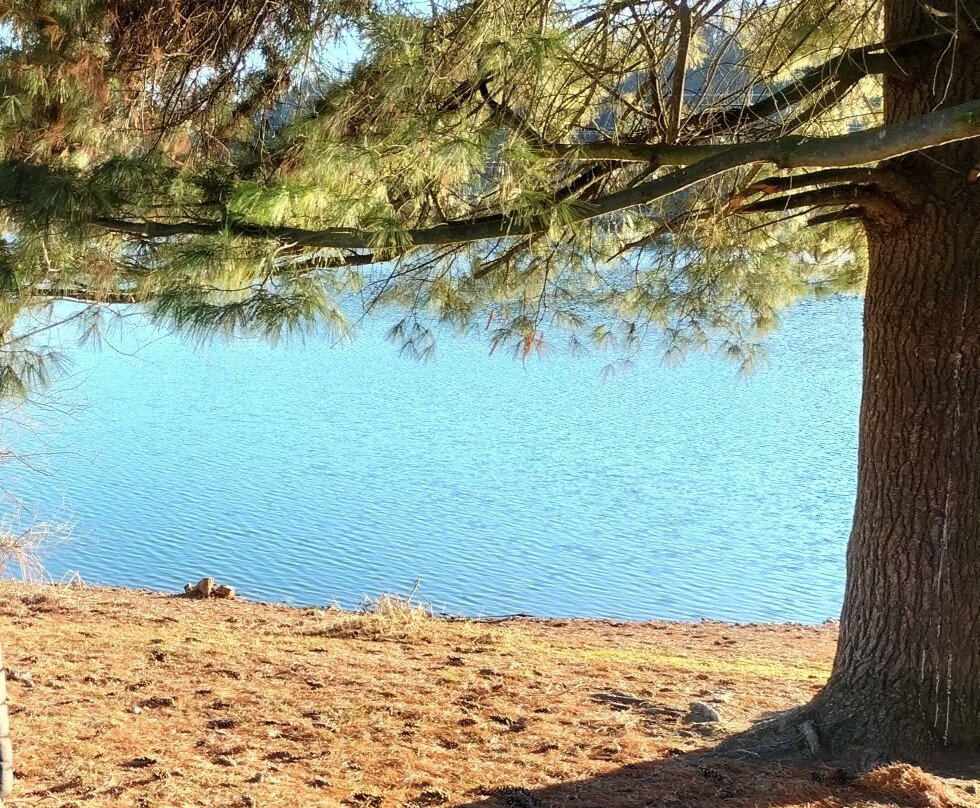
(131, 698)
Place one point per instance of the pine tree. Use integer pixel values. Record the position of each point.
(606, 172)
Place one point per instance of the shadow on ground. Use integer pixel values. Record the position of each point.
(708, 779)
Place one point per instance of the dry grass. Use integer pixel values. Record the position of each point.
(387, 617)
(910, 786)
(23, 542)
(142, 699)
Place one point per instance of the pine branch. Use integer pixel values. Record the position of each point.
(843, 215)
(80, 295)
(850, 66)
(829, 99)
(771, 185)
(880, 143)
(880, 177)
(586, 179)
(313, 262)
(680, 72)
(462, 93)
(505, 258)
(659, 154)
(509, 118)
(853, 195)
(608, 12)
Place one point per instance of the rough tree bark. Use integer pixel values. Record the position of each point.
(906, 680)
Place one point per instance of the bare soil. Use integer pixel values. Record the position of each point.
(129, 698)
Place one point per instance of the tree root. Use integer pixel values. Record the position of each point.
(804, 735)
(780, 736)
(846, 740)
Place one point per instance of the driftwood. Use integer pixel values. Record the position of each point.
(207, 588)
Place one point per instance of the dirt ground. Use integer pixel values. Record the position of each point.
(127, 698)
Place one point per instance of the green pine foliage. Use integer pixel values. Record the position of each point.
(282, 169)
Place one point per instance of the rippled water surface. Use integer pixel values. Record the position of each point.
(315, 474)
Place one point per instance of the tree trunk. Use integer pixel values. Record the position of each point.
(906, 680)
(907, 674)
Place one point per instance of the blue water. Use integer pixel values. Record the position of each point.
(316, 474)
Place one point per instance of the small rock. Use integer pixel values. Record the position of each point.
(206, 588)
(202, 589)
(136, 709)
(701, 713)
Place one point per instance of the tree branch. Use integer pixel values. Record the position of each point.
(509, 118)
(658, 154)
(897, 186)
(849, 66)
(772, 185)
(881, 143)
(871, 145)
(313, 262)
(853, 195)
(86, 296)
(609, 11)
(843, 215)
(680, 72)
(827, 100)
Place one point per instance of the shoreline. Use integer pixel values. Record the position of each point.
(421, 602)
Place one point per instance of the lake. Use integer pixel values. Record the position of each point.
(316, 474)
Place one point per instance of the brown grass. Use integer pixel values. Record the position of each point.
(913, 787)
(142, 699)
